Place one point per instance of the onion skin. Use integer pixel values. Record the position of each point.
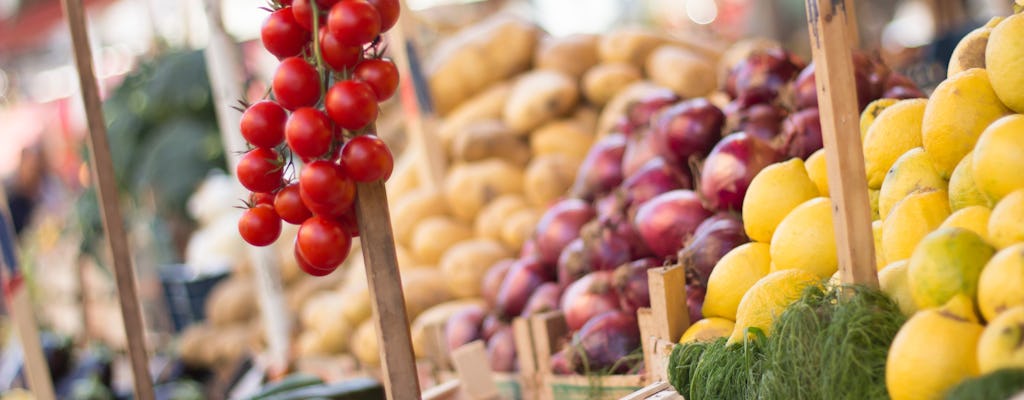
(730, 167)
(763, 74)
(590, 295)
(572, 263)
(464, 327)
(687, 129)
(654, 178)
(559, 226)
(712, 239)
(601, 170)
(544, 298)
(640, 149)
(523, 278)
(801, 134)
(604, 248)
(605, 340)
(763, 121)
(695, 301)
(501, 350)
(631, 284)
(640, 113)
(490, 326)
(560, 362)
(668, 220)
(493, 279)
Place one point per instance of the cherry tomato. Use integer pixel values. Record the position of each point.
(282, 35)
(296, 84)
(262, 124)
(325, 5)
(303, 13)
(354, 22)
(322, 242)
(288, 205)
(306, 267)
(260, 225)
(365, 158)
(324, 184)
(381, 75)
(309, 132)
(284, 2)
(388, 10)
(349, 221)
(260, 170)
(351, 104)
(338, 56)
(257, 198)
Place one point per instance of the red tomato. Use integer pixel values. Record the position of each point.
(351, 104)
(388, 10)
(257, 198)
(260, 170)
(303, 13)
(324, 184)
(309, 132)
(262, 124)
(296, 84)
(288, 204)
(354, 22)
(339, 56)
(260, 225)
(322, 242)
(349, 221)
(282, 35)
(366, 158)
(381, 75)
(306, 267)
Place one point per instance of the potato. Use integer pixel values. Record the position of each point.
(468, 187)
(300, 293)
(490, 139)
(404, 176)
(424, 288)
(571, 55)
(229, 344)
(365, 345)
(465, 264)
(323, 306)
(308, 344)
(537, 97)
(548, 178)
(519, 227)
(485, 105)
(434, 235)
(629, 45)
(603, 81)
(616, 108)
(492, 217)
(565, 137)
(193, 345)
(231, 301)
(355, 304)
(682, 71)
(413, 208)
(334, 334)
(437, 314)
(586, 118)
(511, 50)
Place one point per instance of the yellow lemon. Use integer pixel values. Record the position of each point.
(893, 281)
(1006, 225)
(913, 171)
(896, 130)
(874, 195)
(946, 263)
(817, 171)
(1001, 285)
(999, 158)
(708, 329)
(735, 273)
(962, 190)
(958, 111)
(805, 240)
(1002, 342)
(935, 350)
(876, 232)
(772, 194)
(1004, 59)
(767, 299)
(969, 52)
(871, 113)
(912, 218)
(973, 218)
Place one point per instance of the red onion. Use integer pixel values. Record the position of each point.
(654, 178)
(631, 284)
(591, 295)
(501, 350)
(559, 226)
(712, 239)
(801, 134)
(640, 149)
(523, 278)
(639, 113)
(464, 326)
(806, 93)
(730, 167)
(604, 248)
(763, 73)
(760, 120)
(490, 326)
(695, 301)
(544, 299)
(572, 263)
(605, 341)
(560, 362)
(601, 170)
(493, 279)
(687, 129)
(668, 220)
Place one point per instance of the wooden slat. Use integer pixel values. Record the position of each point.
(548, 328)
(392, 323)
(446, 391)
(645, 318)
(648, 391)
(110, 209)
(667, 288)
(837, 102)
(470, 362)
(526, 357)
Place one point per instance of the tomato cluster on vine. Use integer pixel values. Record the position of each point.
(326, 90)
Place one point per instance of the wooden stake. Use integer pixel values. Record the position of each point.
(110, 209)
(837, 103)
(670, 315)
(474, 370)
(399, 365)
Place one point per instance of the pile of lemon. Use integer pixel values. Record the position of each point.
(946, 183)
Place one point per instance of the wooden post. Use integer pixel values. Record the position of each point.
(397, 360)
(670, 314)
(474, 370)
(837, 102)
(110, 208)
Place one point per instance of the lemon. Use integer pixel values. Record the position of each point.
(962, 190)
(876, 232)
(894, 282)
(912, 171)
(973, 218)
(1002, 342)
(946, 263)
(935, 350)
(772, 194)
(767, 299)
(999, 158)
(817, 171)
(805, 240)
(873, 196)
(871, 112)
(958, 111)
(912, 218)
(1004, 58)
(708, 329)
(896, 130)
(1001, 285)
(969, 52)
(735, 273)
(1006, 225)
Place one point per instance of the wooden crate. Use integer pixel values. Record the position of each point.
(466, 373)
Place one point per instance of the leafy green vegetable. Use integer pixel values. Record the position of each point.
(997, 385)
